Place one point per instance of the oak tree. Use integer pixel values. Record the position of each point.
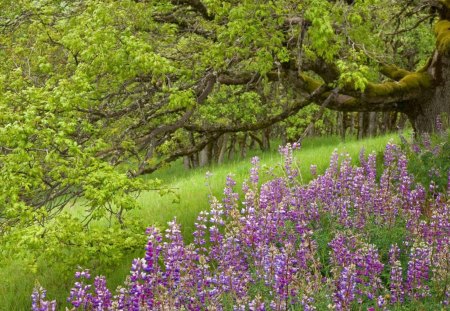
(97, 92)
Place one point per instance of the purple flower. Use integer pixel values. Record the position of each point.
(396, 278)
(38, 302)
(418, 272)
(345, 291)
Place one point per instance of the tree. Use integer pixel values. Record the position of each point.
(91, 88)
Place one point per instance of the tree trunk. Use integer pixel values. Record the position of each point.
(205, 155)
(401, 122)
(243, 146)
(266, 139)
(283, 135)
(232, 147)
(384, 125)
(186, 162)
(425, 111)
(352, 124)
(223, 148)
(255, 138)
(372, 126)
(360, 125)
(340, 124)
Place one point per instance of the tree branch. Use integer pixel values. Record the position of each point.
(197, 5)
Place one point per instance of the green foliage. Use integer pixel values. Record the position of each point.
(232, 105)
(353, 77)
(66, 243)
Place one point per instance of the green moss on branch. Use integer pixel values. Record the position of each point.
(310, 84)
(411, 82)
(442, 31)
(394, 72)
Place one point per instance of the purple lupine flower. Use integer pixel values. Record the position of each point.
(405, 179)
(256, 305)
(369, 270)
(426, 141)
(80, 294)
(254, 171)
(446, 301)
(200, 232)
(288, 160)
(381, 303)
(342, 254)
(390, 154)
(396, 278)
(308, 303)
(418, 272)
(38, 301)
(344, 293)
(102, 295)
(230, 199)
(415, 148)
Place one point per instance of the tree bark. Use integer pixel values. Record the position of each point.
(231, 149)
(372, 128)
(266, 139)
(204, 156)
(425, 111)
(360, 125)
(243, 145)
(352, 124)
(186, 162)
(223, 148)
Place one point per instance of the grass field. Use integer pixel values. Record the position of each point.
(190, 185)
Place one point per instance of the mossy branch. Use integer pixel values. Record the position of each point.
(384, 96)
(393, 72)
(408, 84)
(442, 32)
(310, 84)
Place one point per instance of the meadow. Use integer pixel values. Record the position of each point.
(358, 236)
(190, 196)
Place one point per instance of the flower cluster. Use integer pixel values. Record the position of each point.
(287, 245)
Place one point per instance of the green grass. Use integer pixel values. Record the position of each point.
(190, 186)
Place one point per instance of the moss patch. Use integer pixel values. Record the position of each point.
(310, 83)
(394, 72)
(351, 102)
(413, 81)
(442, 31)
